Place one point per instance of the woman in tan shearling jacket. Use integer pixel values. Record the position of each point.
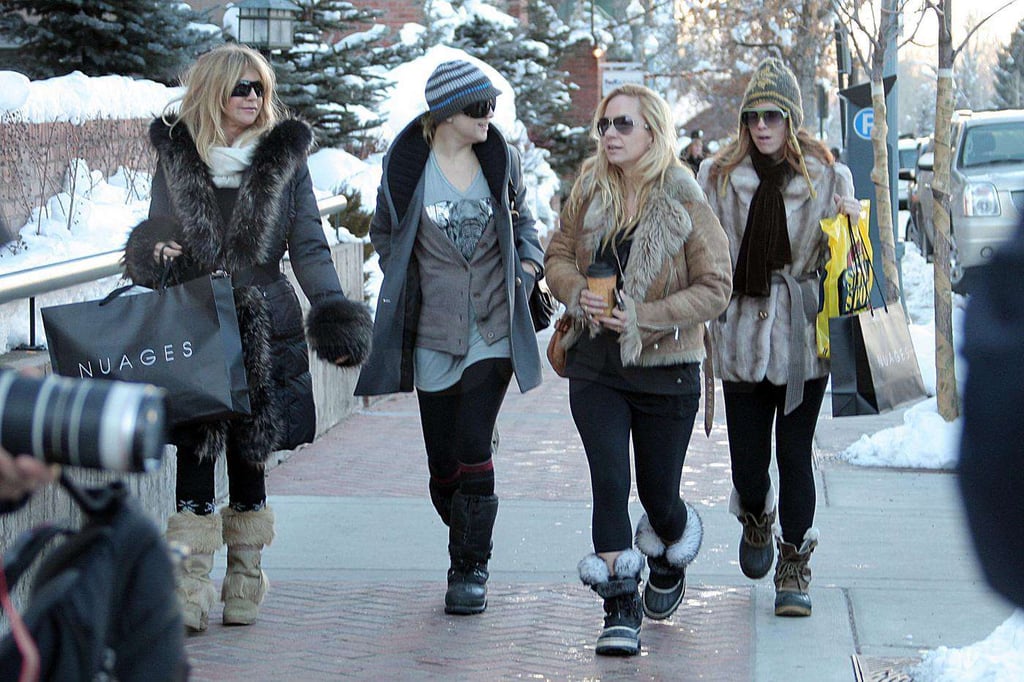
(635, 373)
(770, 187)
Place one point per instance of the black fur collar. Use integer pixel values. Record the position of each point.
(248, 237)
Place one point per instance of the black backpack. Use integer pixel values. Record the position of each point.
(102, 604)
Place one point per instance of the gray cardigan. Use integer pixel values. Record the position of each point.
(393, 233)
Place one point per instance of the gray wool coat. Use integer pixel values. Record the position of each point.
(676, 279)
(389, 368)
(752, 339)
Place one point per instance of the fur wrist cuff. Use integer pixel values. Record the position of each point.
(340, 327)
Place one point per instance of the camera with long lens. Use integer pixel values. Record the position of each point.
(110, 425)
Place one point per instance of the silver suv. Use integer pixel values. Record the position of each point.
(986, 189)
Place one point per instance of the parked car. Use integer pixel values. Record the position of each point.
(919, 182)
(986, 198)
(906, 158)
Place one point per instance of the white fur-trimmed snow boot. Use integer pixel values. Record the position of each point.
(623, 613)
(667, 562)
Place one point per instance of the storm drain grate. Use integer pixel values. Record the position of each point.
(869, 669)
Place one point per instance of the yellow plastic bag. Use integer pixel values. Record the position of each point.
(846, 287)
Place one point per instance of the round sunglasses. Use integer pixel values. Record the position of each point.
(624, 125)
(480, 109)
(772, 118)
(243, 88)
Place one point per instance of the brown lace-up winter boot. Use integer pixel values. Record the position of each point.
(793, 576)
(245, 584)
(756, 549)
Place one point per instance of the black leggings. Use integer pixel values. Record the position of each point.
(749, 415)
(458, 424)
(605, 418)
(195, 487)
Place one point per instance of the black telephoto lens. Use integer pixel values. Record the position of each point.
(111, 425)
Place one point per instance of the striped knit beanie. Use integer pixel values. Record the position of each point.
(774, 83)
(453, 86)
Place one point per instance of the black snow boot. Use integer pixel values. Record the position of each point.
(469, 546)
(667, 562)
(756, 548)
(621, 594)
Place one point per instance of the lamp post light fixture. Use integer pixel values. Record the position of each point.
(266, 24)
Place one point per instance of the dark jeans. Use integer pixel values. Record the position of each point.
(750, 410)
(458, 424)
(660, 426)
(195, 491)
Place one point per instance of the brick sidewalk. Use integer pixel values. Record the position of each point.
(353, 629)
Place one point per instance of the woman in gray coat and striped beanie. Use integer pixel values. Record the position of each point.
(459, 262)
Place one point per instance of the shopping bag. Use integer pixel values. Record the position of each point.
(846, 283)
(874, 366)
(182, 338)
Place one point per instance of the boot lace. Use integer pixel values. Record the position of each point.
(757, 530)
(793, 572)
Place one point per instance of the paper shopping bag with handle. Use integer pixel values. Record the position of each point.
(182, 338)
(874, 365)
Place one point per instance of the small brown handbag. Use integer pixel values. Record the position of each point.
(556, 352)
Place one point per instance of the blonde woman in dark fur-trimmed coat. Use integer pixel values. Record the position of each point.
(232, 192)
(635, 374)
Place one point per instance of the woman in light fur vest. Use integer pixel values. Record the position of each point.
(770, 188)
(232, 192)
(634, 369)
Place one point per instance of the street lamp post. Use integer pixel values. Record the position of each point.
(266, 24)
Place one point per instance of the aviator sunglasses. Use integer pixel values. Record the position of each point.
(623, 125)
(480, 109)
(772, 118)
(243, 87)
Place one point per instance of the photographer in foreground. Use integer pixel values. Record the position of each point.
(20, 477)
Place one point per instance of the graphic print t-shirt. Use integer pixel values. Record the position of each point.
(462, 217)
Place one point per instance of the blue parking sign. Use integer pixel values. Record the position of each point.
(863, 122)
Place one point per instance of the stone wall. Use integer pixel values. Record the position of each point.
(34, 157)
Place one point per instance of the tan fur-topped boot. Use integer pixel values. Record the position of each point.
(245, 584)
(199, 537)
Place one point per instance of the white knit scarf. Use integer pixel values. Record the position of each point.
(228, 163)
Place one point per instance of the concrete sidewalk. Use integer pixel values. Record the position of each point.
(358, 567)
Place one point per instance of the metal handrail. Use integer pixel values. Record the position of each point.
(44, 279)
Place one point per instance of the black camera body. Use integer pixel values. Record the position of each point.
(98, 424)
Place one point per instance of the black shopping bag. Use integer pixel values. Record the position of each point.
(874, 366)
(182, 338)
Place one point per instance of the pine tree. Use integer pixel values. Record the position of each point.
(334, 82)
(1009, 72)
(142, 38)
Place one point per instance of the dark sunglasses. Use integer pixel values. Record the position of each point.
(623, 125)
(772, 118)
(480, 109)
(243, 88)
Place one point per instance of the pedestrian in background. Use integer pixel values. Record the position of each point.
(694, 154)
(459, 262)
(232, 193)
(634, 367)
(991, 463)
(770, 187)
